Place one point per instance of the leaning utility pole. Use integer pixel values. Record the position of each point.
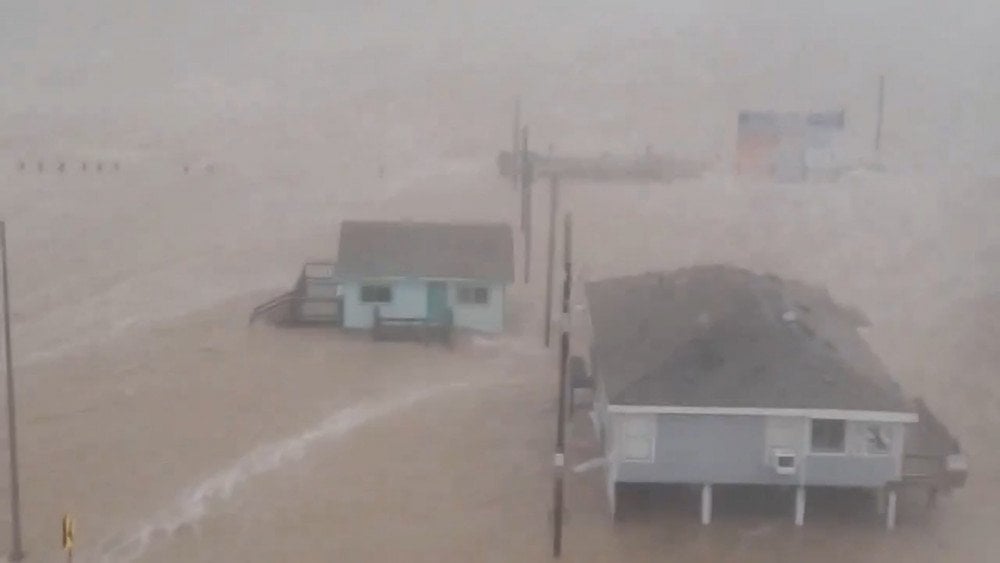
(559, 460)
(16, 552)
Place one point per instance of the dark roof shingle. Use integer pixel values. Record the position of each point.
(412, 249)
(718, 336)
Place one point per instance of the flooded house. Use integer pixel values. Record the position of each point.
(439, 273)
(714, 375)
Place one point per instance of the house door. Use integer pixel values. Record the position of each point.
(437, 301)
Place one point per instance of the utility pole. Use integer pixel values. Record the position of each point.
(524, 173)
(553, 207)
(881, 106)
(16, 552)
(516, 142)
(559, 460)
(527, 178)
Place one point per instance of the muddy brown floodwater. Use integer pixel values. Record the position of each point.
(172, 431)
(201, 439)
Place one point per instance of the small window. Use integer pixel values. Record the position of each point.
(470, 295)
(376, 294)
(828, 436)
(878, 439)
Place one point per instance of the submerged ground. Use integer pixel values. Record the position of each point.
(172, 431)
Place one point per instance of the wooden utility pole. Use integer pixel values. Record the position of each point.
(553, 207)
(522, 170)
(16, 551)
(881, 106)
(527, 178)
(516, 142)
(559, 460)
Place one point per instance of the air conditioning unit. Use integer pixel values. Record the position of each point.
(784, 461)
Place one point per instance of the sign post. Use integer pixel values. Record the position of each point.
(68, 530)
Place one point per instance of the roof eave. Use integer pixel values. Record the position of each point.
(816, 413)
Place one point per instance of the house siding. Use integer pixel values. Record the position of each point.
(487, 317)
(735, 450)
(409, 299)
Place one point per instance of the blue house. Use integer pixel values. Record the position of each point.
(425, 271)
(714, 375)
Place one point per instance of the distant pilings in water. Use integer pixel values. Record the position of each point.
(66, 166)
(60, 166)
(207, 168)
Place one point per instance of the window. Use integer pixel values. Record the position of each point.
(638, 437)
(828, 436)
(376, 294)
(471, 295)
(878, 439)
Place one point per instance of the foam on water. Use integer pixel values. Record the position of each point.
(193, 504)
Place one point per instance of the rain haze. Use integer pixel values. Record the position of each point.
(167, 166)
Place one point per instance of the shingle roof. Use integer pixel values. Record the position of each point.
(718, 336)
(445, 250)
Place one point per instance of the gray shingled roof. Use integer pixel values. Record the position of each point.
(410, 249)
(718, 336)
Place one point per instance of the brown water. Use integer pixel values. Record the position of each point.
(173, 432)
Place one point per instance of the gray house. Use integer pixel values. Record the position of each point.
(432, 272)
(717, 375)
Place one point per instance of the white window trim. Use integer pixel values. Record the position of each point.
(864, 416)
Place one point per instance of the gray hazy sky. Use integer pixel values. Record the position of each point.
(186, 60)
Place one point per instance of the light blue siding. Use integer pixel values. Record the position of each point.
(735, 450)
(706, 449)
(851, 470)
(409, 299)
(487, 317)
